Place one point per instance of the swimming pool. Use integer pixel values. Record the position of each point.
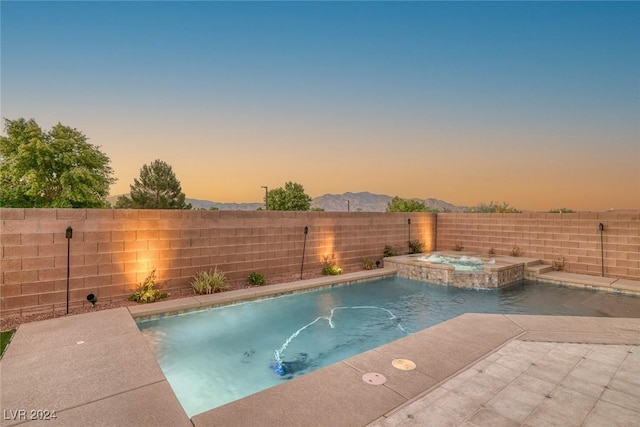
(216, 356)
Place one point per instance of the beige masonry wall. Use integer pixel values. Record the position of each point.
(111, 251)
(574, 236)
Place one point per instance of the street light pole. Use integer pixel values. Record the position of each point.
(266, 197)
(348, 206)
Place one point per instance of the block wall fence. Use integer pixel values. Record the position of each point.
(113, 250)
(550, 237)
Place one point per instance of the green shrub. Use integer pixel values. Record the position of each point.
(458, 247)
(491, 251)
(256, 279)
(5, 338)
(209, 282)
(368, 264)
(516, 252)
(415, 246)
(390, 251)
(146, 291)
(331, 270)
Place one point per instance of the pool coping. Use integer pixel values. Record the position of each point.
(97, 369)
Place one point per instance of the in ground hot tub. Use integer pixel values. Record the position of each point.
(459, 269)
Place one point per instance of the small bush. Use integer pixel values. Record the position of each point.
(368, 264)
(390, 251)
(256, 279)
(516, 251)
(415, 246)
(458, 247)
(209, 282)
(146, 291)
(558, 265)
(5, 338)
(331, 270)
(491, 251)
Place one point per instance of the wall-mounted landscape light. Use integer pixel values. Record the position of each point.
(304, 245)
(92, 299)
(601, 228)
(68, 235)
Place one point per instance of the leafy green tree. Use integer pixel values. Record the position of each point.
(290, 198)
(157, 188)
(398, 204)
(54, 169)
(493, 207)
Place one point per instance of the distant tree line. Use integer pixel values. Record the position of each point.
(59, 168)
(493, 207)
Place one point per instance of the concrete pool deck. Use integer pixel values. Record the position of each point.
(476, 369)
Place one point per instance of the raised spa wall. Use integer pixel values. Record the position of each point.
(505, 271)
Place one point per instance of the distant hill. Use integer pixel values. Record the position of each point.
(206, 204)
(362, 201)
(368, 202)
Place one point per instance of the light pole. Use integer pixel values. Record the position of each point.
(348, 206)
(266, 197)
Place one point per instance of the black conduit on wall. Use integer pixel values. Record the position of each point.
(304, 245)
(68, 234)
(601, 228)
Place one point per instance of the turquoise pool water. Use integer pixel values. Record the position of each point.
(219, 355)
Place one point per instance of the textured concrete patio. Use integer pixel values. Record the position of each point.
(476, 369)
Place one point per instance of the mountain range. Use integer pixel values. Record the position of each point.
(369, 202)
(357, 202)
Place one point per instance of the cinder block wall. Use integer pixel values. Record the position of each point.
(112, 251)
(574, 236)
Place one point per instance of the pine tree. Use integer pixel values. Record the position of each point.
(156, 188)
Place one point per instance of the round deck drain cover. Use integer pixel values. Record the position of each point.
(403, 364)
(374, 378)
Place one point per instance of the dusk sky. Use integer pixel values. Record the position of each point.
(533, 103)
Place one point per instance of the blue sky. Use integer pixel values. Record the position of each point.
(533, 103)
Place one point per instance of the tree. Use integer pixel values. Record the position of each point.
(398, 204)
(54, 169)
(157, 188)
(494, 207)
(290, 198)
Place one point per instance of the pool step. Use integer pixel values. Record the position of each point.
(539, 268)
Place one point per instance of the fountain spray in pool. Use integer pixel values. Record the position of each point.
(282, 367)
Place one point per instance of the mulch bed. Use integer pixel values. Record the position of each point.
(15, 321)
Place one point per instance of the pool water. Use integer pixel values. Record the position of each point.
(219, 355)
(461, 263)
